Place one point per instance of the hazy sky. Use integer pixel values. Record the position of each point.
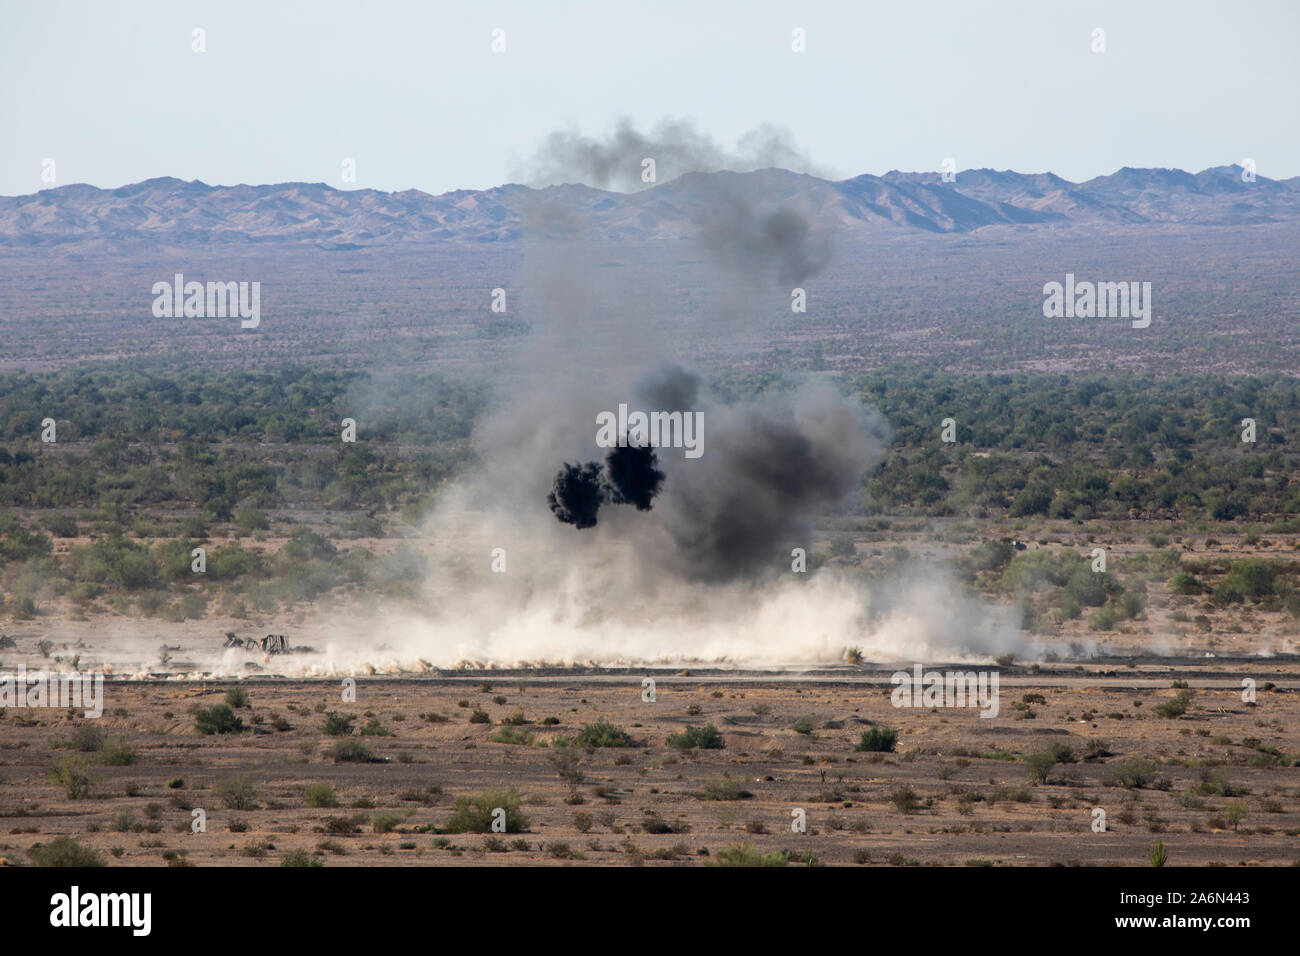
(113, 93)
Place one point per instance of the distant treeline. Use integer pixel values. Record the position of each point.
(1088, 447)
(225, 440)
(1048, 445)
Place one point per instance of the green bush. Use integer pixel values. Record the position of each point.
(64, 851)
(321, 796)
(745, 854)
(74, 776)
(1040, 764)
(725, 789)
(512, 735)
(337, 725)
(1104, 618)
(351, 751)
(1252, 578)
(692, 738)
(61, 526)
(1132, 772)
(87, 738)
(252, 519)
(878, 740)
(299, 858)
(1176, 707)
(118, 751)
(476, 814)
(603, 734)
(218, 720)
(237, 697)
(237, 792)
(905, 800)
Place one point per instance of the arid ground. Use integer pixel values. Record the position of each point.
(1212, 783)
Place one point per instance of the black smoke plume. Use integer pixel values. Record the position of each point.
(630, 476)
(676, 146)
(777, 243)
(771, 466)
(577, 494)
(759, 226)
(633, 477)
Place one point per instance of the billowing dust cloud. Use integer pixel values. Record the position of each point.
(554, 549)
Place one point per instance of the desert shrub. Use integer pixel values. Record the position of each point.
(218, 720)
(237, 792)
(565, 761)
(653, 823)
(878, 740)
(1176, 707)
(905, 800)
(299, 858)
(1131, 604)
(374, 728)
(1040, 764)
(252, 519)
(703, 738)
(73, 775)
(118, 751)
(87, 738)
(336, 724)
(1010, 795)
(745, 854)
(1251, 577)
(1104, 618)
(321, 795)
(805, 725)
(237, 697)
(345, 826)
(60, 525)
(603, 734)
(386, 822)
(725, 789)
(350, 751)
(512, 735)
(64, 851)
(475, 814)
(1131, 772)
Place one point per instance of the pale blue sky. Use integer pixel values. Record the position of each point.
(113, 93)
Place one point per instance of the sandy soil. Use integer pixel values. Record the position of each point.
(970, 806)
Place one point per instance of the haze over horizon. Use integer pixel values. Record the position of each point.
(418, 99)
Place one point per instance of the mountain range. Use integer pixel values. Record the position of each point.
(173, 212)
